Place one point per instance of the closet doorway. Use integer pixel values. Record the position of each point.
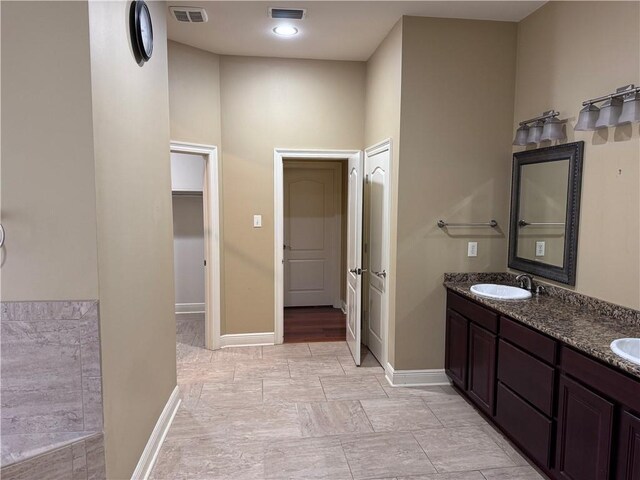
(195, 197)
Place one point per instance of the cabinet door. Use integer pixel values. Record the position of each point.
(482, 367)
(629, 448)
(584, 433)
(455, 361)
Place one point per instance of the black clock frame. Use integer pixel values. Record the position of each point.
(137, 43)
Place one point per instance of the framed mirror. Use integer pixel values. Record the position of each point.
(545, 211)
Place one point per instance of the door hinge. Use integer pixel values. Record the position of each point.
(366, 247)
(366, 179)
(205, 263)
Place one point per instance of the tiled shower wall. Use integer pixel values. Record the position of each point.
(50, 373)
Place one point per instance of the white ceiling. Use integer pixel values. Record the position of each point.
(332, 30)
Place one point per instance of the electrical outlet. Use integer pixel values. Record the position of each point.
(472, 249)
(540, 249)
(257, 221)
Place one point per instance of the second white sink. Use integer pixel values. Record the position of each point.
(627, 348)
(500, 292)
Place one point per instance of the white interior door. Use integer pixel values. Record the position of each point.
(311, 237)
(377, 185)
(354, 255)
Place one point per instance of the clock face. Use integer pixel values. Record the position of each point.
(141, 31)
(146, 31)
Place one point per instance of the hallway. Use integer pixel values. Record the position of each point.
(305, 411)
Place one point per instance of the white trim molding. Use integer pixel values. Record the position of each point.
(279, 154)
(152, 448)
(246, 339)
(415, 378)
(190, 308)
(211, 208)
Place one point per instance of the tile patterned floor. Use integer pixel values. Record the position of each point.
(305, 411)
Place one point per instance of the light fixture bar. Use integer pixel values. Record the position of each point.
(620, 92)
(544, 116)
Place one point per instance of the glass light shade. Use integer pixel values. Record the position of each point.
(535, 132)
(610, 113)
(552, 130)
(521, 135)
(630, 110)
(285, 30)
(587, 118)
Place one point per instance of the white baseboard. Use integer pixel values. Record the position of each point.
(151, 450)
(189, 307)
(415, 378)
(344, 307)
(247, 339)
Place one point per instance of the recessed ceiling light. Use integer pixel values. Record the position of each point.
(285, 30)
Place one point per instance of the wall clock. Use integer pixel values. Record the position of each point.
(141, 31)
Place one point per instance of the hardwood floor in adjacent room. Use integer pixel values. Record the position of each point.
(314, 324)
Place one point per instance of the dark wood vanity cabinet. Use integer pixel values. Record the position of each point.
(455, 362)
(471, 343)
(482, 367)
(585, 426)
(628, 461)
(575, 417)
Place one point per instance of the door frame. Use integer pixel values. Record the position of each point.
(369, 152)
(336, 260)
(211, 218)
(279, 155)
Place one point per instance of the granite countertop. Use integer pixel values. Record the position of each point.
(587, 327)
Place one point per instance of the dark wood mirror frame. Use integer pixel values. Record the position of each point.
(568, 151)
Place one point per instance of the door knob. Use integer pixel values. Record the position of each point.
(382, 274)
(357, 271)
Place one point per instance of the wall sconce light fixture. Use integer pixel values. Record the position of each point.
(544, 127)
(618, 108)
(630, 109)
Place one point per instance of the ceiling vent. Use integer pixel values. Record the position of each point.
(287, 13)
(189, 14)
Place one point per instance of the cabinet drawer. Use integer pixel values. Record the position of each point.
(528, 427)
(474, 312)
(602, 378)
(527, 376)
(529, 340)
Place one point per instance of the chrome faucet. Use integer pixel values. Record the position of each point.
(525, 281)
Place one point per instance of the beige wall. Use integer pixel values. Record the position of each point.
(194, 95)
(48, 190)
(382, 121)
(188, 249)
(561, 64)
(135, 240)
(269, 103)
(458, 80)
(194, 106)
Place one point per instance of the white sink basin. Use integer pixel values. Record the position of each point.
(500, 292)
(627, 348)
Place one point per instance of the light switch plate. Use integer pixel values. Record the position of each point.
(540, 249)
(472, 249)
(257, 221)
